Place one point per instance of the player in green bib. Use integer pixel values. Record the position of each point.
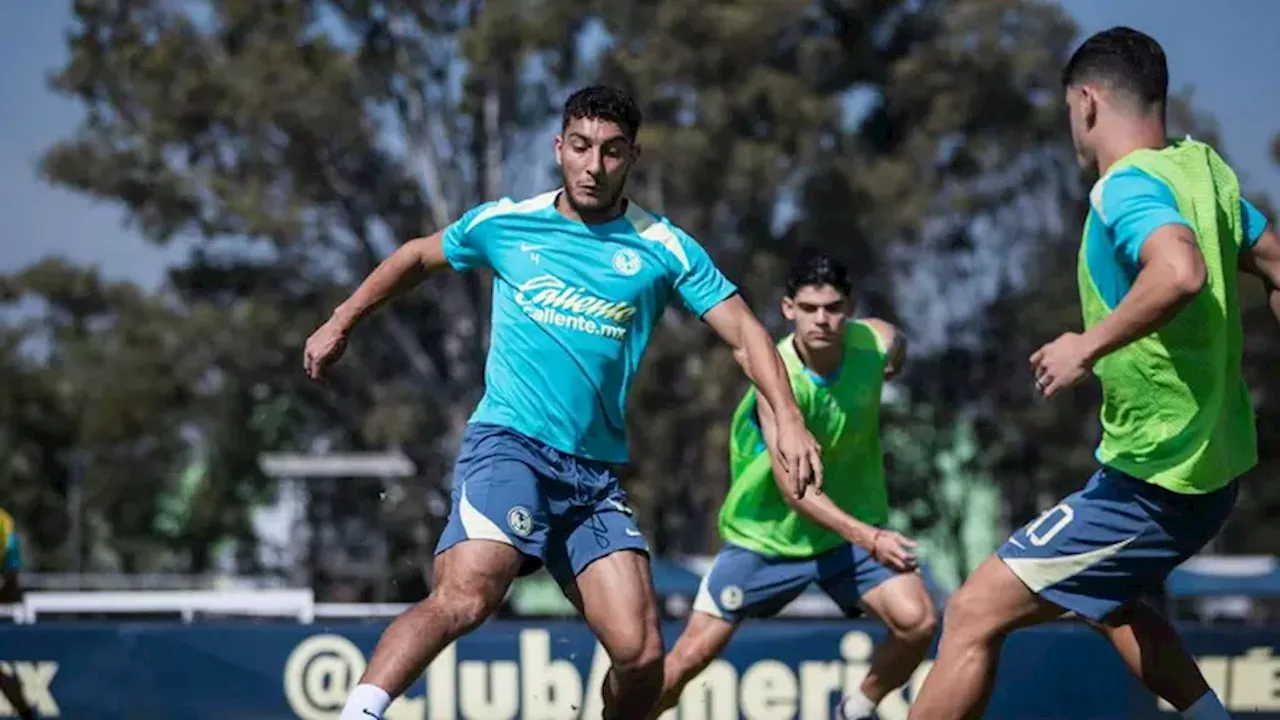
(1166, 232)
(777, 545)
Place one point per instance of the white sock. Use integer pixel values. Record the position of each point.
(366, 702)
(855, 706)
(1208, 707)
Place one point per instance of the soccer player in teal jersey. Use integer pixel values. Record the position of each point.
(581, 275)
(776, 546)
(1166, 232)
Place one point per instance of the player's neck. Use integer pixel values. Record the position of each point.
(824, 362)
(591, 217)
(1140, 136)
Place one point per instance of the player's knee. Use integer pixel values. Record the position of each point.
(462, 610)
(637, 652)
(915, 622)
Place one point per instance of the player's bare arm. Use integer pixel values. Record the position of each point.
(1171, 272)
(754, 350)
(1263, 262)
(888, 547)
(404, 269)
(894, 340)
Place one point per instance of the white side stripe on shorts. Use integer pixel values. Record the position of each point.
(475, 525)
(703, 602)
(1040, 573)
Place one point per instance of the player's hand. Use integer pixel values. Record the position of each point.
(323, 348)
(1061, 363)
(894, 550)
(800, 454)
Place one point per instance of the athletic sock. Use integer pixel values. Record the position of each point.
(366, 702)
(1208, 707)
(856, 706)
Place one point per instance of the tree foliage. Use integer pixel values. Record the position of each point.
(294, 143)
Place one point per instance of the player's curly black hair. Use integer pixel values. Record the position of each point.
(815, 268)
(1127, 62)
(603, 102)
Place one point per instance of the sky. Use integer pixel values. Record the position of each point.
(1226, 56)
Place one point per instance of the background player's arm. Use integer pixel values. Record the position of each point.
(755, 351)
(894, 550)
(895, 342)
(1263, 262)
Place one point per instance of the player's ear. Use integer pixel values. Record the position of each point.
(1089, 106)
(788, 308)
(635, 151)
(557, 145)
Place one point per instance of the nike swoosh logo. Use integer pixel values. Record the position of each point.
(526, 247)
(634, 533)
(366, 711)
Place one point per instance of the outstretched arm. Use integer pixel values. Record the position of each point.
(404, 269)
(795, 449)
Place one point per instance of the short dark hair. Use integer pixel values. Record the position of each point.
(603, 102)
(814, 268)
(1127, 62)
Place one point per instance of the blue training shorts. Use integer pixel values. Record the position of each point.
(559, 510)
(743, 583)
(1112, 542)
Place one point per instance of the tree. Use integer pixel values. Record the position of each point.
(912, 140)
(294, 143)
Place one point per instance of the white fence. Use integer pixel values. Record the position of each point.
(299, 605)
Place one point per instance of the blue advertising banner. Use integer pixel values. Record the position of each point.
(553, 671)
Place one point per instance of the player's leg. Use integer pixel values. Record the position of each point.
(1094, 554)
(616, 598)
(1154, 653)
(990, 604)
(704, 638)
(852, 577)
(740, 584)
(496, 530)
(600, 558)
(1147, 641)
(471, 579)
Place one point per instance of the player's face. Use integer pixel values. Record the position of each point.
(819, 313)
(1082, 112)
(594, 158)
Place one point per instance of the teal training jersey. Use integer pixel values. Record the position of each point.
(573, 307)
(843, 413)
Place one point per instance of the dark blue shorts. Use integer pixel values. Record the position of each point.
(561, 511)
(1112, 542)
(745, 584)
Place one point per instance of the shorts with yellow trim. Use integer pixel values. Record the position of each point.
(1113, 542)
